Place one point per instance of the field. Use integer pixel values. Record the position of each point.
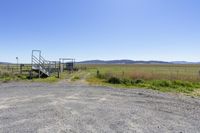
(150, 72)
(167, 78)
(143, 71)
(14, 72)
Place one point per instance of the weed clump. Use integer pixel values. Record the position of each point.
(130, 82)
(75, 78)
(48, 80)
(139, 81)
(126, 82)
(182, 84)
(99, 75)
(162, 83)
(114, 80)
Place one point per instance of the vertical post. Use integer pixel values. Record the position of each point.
(31, 72)
(48, 63)
(17, 64)
(55, 64)
(21, 68)
(59, 69)
(39, 62)
(74, 64)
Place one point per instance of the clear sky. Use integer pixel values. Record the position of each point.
(165, 30)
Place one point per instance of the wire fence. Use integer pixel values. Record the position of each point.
(15, 68)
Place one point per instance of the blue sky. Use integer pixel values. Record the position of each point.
(166, 30)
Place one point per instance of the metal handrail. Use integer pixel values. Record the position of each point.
(39, 63)
(43, 65)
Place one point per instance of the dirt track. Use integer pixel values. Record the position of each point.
(47, 108)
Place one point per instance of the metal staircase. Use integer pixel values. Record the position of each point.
(44, 68)
(40, 65)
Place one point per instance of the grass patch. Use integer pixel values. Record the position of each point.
(6, 76)
(147, 71)
(52, 79)
(114, 80)
(166, 78)
(176, 86)
(196, 93)
(75, 78)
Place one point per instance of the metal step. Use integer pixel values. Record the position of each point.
(39, 64)
(41, 71)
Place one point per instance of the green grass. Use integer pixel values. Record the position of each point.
(149, 72)
(166, 78)
(6, 76)
(52, 79)
(10, 72)
(159, 85)
(75, 78)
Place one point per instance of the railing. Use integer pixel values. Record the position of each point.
(16, 68)
(42, 65)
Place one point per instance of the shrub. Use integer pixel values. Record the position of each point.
(182, 83)
(114, 80)
(126, 81)
(139, 81)
(106, 76)
(162, 83)
(99, 75)
(185, 90)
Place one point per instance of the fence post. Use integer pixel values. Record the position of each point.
(21, 68)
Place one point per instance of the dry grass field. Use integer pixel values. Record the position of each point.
(150, 72)
(166, 78)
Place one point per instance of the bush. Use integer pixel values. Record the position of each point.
(139, 81)
(99, 75)
(185, 90)
(182, 83)
(162, 83)
(114, 80)
(126, 82)
(105, 76)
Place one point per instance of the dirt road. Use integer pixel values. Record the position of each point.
(52, 108)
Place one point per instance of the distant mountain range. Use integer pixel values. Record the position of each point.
(134, 62)
(4, 63)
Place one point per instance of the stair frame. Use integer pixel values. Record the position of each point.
(40, 65)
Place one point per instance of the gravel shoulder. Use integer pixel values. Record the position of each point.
(64, 107)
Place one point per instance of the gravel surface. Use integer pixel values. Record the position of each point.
(60, 108)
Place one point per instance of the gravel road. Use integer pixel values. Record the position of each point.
(60, 108)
